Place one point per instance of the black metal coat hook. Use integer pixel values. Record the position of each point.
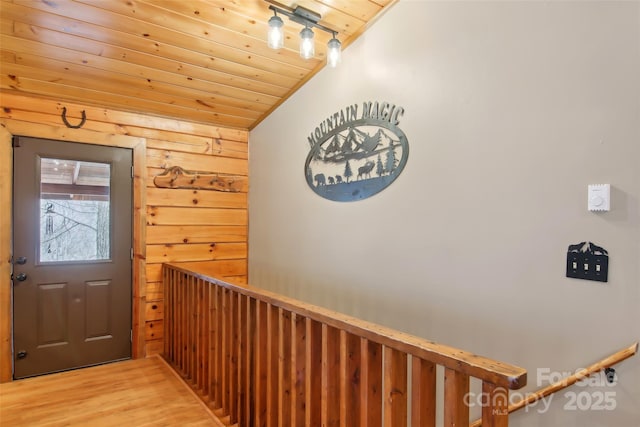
(69, 125)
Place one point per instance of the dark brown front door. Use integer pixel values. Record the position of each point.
(72, 255)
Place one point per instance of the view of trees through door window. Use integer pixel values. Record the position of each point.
(74, 210)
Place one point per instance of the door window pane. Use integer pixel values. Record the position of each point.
(74, 210)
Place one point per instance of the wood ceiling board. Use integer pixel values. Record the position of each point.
(95, 34)
(182, 72)
(156, 34)
(111, 80)
(197, 60)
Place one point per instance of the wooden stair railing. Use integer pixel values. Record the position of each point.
(580, 375)
(261, 359)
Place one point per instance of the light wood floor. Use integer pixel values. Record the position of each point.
(143, 392)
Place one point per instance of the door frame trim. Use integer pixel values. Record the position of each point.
(9, 128)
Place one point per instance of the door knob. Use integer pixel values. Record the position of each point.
(21, 260)
(21, 277)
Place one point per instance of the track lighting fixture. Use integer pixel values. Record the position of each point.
(309, 19)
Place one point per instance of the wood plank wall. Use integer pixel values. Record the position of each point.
(181, 225)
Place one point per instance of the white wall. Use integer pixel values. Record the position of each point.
(511, 110)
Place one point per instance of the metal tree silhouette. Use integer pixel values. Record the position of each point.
(347, 171)
(391, 161)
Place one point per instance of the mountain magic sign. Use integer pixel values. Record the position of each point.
(357, 153)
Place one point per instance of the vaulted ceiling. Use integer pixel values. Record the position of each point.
(198, 60)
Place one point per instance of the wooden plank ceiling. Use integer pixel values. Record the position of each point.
(199, 60)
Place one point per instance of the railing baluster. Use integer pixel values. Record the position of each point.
(176, 316)
(206, 337)
(234, 357)
(313, 373)
(330, 377)
(197, 318)
(262, 363)
(272, 366)
(187, 326)
(188, 329)
(456, 386)
(495, 409)
(170, 300)
(188, 315)
(423, 393)
(298, 369)
(219, 349)
(350, 366)
(193, 336)
(371, 384)
(168, 310)
(202, 331)
(180, 323)
(243, 358)
(212, 343)
(252, 375)
(204, 357)
(284, 368)
(343, 381)
(197, 303)
(176, 323)
(226, 351)
(395, 388)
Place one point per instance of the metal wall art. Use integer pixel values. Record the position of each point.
(357, 153)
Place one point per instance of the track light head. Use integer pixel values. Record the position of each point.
(275, 37)
(334, 52)
(307, 48)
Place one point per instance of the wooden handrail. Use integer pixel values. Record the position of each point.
(259, 357)
(499, 373)
(603, 364)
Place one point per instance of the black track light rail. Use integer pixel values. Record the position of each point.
(304, 17)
